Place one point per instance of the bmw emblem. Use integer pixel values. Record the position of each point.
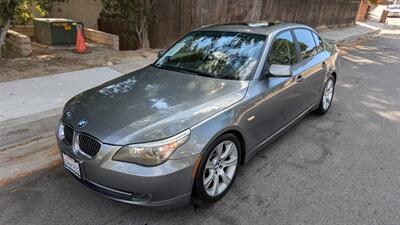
(82, 123)
(68, 115)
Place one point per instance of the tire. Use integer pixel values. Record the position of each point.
(204, 191)
(323, 105)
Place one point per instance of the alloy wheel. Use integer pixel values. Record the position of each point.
(220, 168)
(328, 94)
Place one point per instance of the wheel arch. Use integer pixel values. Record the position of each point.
(334, 74)
(239, 134)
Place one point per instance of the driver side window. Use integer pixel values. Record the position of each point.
(283, 50)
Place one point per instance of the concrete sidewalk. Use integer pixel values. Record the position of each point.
(353, 33)
(31, 107)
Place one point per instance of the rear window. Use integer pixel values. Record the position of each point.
(307, 44)
(318, 42)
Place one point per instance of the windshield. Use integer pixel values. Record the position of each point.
(224, 55)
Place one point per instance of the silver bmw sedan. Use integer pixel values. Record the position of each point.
(181, 128)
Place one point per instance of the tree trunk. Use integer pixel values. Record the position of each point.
(3, 33)
(142, 33)
(139, 39)
(145, 38)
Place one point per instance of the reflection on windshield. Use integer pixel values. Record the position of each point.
(225, 55)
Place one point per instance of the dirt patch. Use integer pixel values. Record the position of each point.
(47, 60)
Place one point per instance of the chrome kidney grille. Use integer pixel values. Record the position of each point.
(80, 142)
(68, 134)
(88, 145)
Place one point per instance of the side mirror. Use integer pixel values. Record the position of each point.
(280, 70)
(160, 53)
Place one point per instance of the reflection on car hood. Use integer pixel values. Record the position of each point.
(150, 104)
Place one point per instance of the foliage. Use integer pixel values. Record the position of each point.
(110, 8)
(5, 50)
(136, 13)
(20, 12)
(23, 14)
(45, 6)
(25, 9)
(7, 8)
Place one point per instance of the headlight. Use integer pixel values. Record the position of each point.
(60, 132)
(152, 153)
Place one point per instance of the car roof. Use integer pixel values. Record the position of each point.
(254, 27)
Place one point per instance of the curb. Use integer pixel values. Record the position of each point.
(28, 158)
(15, 131)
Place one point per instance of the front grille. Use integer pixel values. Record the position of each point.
(68, 134)
(89, 145)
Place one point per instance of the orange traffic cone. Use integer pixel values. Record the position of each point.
(80, 46)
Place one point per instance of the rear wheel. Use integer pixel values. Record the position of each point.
(218, 169)
(327, 96)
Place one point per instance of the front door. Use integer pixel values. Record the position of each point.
(275, 98)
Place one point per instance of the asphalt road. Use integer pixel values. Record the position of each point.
(343, 168)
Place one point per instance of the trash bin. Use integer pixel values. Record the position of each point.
(55, 31)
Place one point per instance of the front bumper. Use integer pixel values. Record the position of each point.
(169, 184)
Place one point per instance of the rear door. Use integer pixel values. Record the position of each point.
(310, 72)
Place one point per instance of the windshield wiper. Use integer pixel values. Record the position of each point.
(200, 73)
(182, 70)
(176, 69)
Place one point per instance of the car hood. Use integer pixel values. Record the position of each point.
(149, 104)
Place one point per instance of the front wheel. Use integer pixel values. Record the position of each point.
(327, 96)
(218, 169)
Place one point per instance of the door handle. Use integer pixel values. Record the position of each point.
(299, 78)
(323, 65)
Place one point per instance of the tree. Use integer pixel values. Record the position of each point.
(136, 13)
(44, 7)
(21, 11)
(144, 15)
(7, 8)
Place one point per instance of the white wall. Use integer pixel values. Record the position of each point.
(86, 11)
